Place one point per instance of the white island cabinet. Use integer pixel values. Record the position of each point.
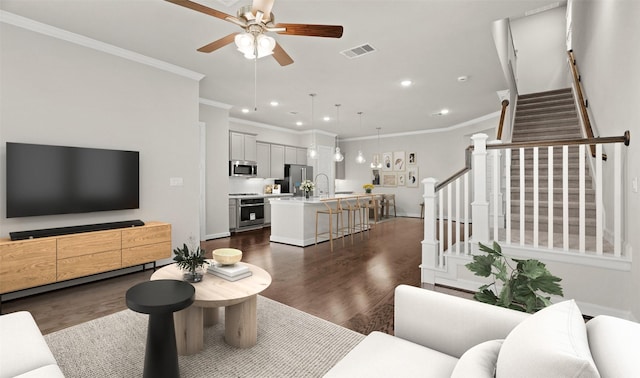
(293, 219)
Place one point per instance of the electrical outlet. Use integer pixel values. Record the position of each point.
(175, 181)
(634, 185)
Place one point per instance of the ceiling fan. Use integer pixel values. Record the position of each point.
(257, 20)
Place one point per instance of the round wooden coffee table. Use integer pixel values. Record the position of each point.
(239, 298)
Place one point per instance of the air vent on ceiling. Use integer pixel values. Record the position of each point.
(358, 51)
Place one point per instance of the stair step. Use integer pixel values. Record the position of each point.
(574, 226)
(547, 94)
(549, 108)
(567, 100)
(565, 114)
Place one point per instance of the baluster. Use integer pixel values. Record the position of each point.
(617, 200)
(522, 197)
(496, 193)
(507, 191)
(565, 198)
(449, 216)
(441, 227)
(466, 214)
(550, 197)
(582, 225)
(599, 199)
(536, 217)
(457, 239)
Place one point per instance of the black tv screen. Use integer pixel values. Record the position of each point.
(47, 180)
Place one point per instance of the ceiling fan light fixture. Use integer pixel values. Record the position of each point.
(247, 44)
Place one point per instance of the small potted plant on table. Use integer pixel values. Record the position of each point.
(367, 188)
(191, 261)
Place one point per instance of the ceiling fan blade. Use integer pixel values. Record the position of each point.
(222, 42)
(330, 31)
(201, 8)
(281, 56)
(263, 6)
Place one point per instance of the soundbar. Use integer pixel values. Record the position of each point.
(43, 233)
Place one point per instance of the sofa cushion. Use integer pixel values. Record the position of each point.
(614, 346)
(550, 343)
(382, 355)
(22, 347)
(479, 361)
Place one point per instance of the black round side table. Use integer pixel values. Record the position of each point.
(160, 299)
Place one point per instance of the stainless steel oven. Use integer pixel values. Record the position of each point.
(250, 213)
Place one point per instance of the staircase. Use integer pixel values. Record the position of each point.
(547, 116)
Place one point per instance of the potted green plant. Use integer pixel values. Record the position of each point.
(190, 261)
(521, 286)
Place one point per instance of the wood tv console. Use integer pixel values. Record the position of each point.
(35, 262)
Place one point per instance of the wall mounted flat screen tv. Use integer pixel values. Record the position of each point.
(47, 180)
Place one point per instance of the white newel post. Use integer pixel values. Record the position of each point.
(480, 205)
(430, 244)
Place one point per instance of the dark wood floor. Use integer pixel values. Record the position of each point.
(351, 286)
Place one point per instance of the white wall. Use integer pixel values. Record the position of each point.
(56, 92)
(542, 54)
(439, 154)
(216, 122)
(604, 39)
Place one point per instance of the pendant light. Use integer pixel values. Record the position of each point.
(312, 151)
(376, 164)
(360, 158)
(338, 156)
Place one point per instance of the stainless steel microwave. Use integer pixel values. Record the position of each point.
(242, 168)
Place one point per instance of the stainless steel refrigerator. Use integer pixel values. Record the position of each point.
(294, 174)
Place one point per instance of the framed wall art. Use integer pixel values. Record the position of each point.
(401, 179)
(389, 179)
(387, 161)
(413, 178)
(411, 160)
(375, 176)
(399, 161)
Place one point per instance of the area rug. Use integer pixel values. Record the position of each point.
(291, 343)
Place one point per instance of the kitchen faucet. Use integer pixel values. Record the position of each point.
(315, 180)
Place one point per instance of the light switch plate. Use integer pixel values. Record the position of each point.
(634, 185)
(175, 181)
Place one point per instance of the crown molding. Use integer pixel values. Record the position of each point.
(61, 34)
(429, 131)
(214, 104)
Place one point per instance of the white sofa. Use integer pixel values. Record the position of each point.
(23, 351)
(438, 335)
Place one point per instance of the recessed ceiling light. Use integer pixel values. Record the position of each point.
(462, 79)
(406, 83)
(299, 123)
(441, 112)
(245, 110)
(326, 118)
(274, 103)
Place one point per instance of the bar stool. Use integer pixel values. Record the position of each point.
(353, 207)
(331, 211)
(364, 205)
(389, 200)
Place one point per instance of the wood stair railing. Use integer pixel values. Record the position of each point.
(581, 100)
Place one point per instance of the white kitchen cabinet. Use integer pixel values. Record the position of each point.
(242, 146)
(267, 212)
(263, 157)
(290, 155)
(233, 214)
(277, 161)
(301, 155)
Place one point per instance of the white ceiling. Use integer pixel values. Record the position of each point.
(431, 42)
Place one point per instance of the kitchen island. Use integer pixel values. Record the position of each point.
(293, 219)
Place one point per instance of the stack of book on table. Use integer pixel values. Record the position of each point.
(229, 272)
